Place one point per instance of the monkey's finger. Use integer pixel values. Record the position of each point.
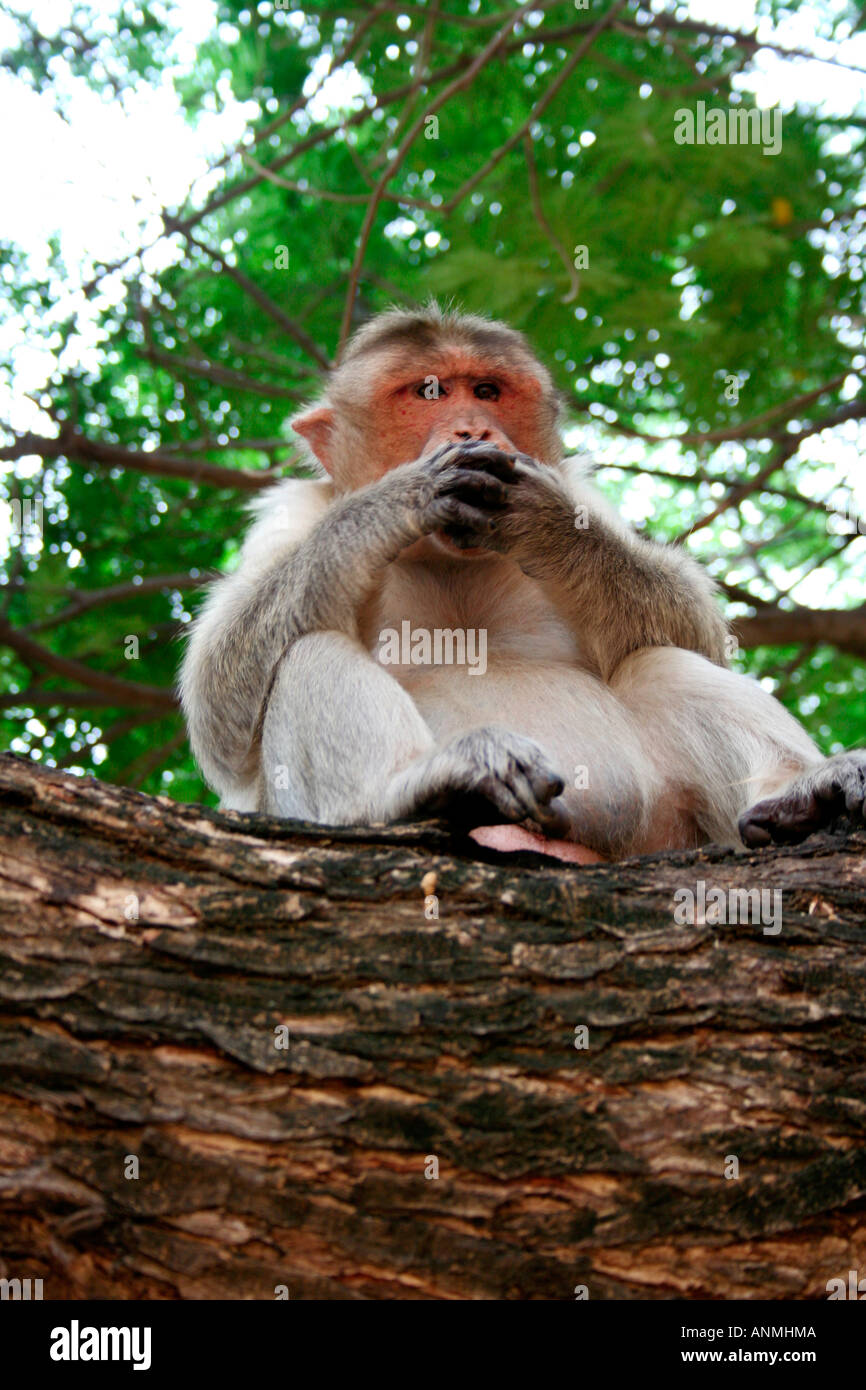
(488, 458)
(555, 819)
(551, 817)
(545, 783)
(515, 779)
(832, 791)
(783, 820)
(753, 834)
(451, 512)
(478, 488)
(502, 797)
(846, 790)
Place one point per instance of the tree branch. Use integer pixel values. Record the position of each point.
(71, 445)
(265, 1014)
(129, 693)
(86, 599)
(843, 628)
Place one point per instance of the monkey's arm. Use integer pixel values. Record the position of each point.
(618, 591)
(307, 567)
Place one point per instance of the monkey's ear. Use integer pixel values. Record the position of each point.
(316, 426)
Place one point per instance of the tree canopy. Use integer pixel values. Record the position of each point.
(699, 303)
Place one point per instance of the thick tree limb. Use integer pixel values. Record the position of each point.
(150, 950)
(844, 628)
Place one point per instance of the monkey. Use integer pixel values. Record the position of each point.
(606, 722)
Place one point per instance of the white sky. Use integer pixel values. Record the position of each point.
(93, 180)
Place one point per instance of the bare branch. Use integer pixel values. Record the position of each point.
(35, 697)
(843, 628)
(667, 22)
(464, 80)
(544, 101)
(111, 735)
(256, 293)
(220, 375)
(750, 429)
(86, 599)
(136, 773)
(480, 60)
(129, 693)
(71, 445)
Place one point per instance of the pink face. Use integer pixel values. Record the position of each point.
(420, 403)
(458, 397)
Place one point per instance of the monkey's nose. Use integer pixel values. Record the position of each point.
(482, 435)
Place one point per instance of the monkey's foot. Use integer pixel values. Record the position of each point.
(491, 773)
(508, 838)
(813, 802)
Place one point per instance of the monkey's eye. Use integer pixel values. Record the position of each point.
(430, 390)
(487, 391)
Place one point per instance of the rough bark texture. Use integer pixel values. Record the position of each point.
(413, 1037)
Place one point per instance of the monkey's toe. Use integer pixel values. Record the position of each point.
(753, 833)
(785, 820)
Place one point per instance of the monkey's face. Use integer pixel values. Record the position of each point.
(396, 406)
(453, 397)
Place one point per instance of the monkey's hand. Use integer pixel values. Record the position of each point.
(538, 524)
(320, 583)
(460, 489)
(815, 801)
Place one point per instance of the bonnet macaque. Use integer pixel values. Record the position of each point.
(455, 622)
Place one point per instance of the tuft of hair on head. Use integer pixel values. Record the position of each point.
(430, 326)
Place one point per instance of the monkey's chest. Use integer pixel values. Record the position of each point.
(437, 655)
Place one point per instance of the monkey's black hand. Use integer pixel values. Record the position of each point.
(539, 521)
(464, 487)
(815, 801)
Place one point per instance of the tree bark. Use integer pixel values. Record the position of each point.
(150, 953)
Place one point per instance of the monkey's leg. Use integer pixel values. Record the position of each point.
(719, 741)
(337, 729)
(343, 743)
